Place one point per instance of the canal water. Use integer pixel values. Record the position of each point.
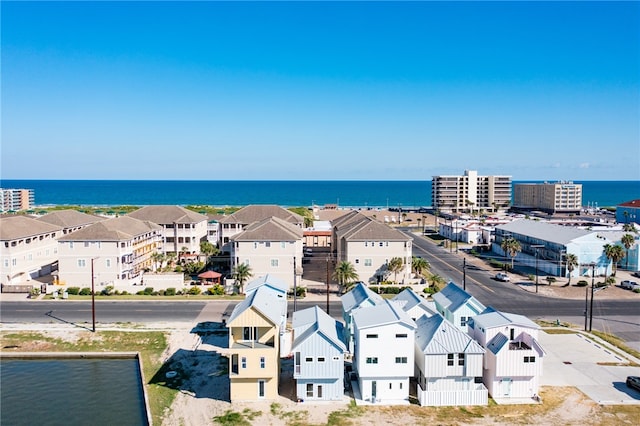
(71, 392)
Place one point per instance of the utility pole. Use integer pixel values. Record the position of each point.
(593, 278)
(537, 246)
(295, 286)
(464, 273)
(93, 298)
(328, 283)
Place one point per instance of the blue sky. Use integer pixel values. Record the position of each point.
(304, 90)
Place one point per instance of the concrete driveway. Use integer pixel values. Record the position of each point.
(577, 360)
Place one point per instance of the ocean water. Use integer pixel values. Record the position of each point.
(284, 193)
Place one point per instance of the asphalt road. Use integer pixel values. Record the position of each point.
(619, 317)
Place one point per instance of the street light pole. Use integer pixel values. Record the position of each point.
(456, 235)
(328, 284)
(295, 285)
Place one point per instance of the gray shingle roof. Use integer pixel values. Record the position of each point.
(255, 213)
(453, 297)
(382, 314)
(270, 229)
(358, 295)
(545, 231)
(16, 227)
(374, 230)
(164, 215)
(310, 321)
(69, 218)
(435, 335)
(121, 228)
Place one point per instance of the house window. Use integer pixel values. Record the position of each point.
(357, 261)
(477, 380)
(461, 359)
(81, 263)
(400, 385)
(244, 362)
(381, 244)
(372, 336)
(321, 359)
(274, 263)
(372, 360)
(390, 385)
(70, 245)
(6, 263)
(449, 359)
(529, 359)
(261, 388)
(401, 336)
(309, 390)
(283, 244)
(336, 358)
(463, 321)
(255, 245)
(367, 262)
(401, 360)
(107, 263)
(14, 262)
(262, 362)
(267, 244)
(308, 359)
(86, 243)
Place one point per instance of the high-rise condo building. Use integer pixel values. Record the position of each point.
(16, 199)
(471, 193)
(559, 197)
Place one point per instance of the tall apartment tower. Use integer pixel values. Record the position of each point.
(559, 197)
(471, 193)
(16, 199)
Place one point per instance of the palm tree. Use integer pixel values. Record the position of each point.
(512, 247)
(420, 265)
(345, 274)
(572, 262)
(614, 253)
(630, 227)
(395, 265)
(158, 259)
(208, 249)
(435, 281)
(627, 241)
(241, 273)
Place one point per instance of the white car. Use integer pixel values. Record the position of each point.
(629, 285)
(501, 276)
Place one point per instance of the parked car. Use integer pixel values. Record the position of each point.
(633, 382)
(629, 285)
(636, 274)
(308, 252)
(501, 276)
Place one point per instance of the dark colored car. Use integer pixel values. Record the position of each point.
(633, 382)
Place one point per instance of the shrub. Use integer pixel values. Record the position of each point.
(636, 290)
(429, 290)
(85, 291)
(124, 293)
(300, 292)
(216, 290)
(148, 291)
(582, 283)
(531, 277)
(107, 291)
(73, 290)
(159, 293)
(170, 291)
(610, 280)
(194, 291)
(140, 293)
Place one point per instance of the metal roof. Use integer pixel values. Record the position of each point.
(382, 314)
(545, 231)
(314, 320)
(268, 281)
(265, 301)
(453, 297)
(435, 335)
(491, 318)
(357, 296)
(497, 343)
